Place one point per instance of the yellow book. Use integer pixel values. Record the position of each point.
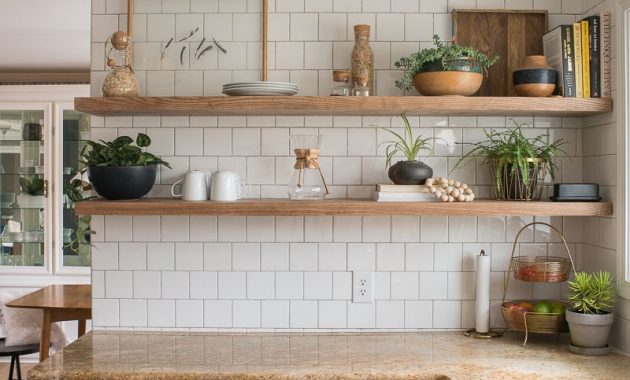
(577, 46)
(586, 60)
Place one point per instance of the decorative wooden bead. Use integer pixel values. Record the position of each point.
(432, 189)
(461, 198)
(451, 182)
(455, 193)
(457, 184)
(438, 194)
(468, 190)
(444, 198)
(449, 189)
(429, 182)
(450, 198)
(464, 186)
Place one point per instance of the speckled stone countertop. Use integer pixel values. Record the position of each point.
(438, 356)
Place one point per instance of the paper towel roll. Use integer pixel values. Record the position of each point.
(482, 316)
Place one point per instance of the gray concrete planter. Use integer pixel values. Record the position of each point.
(589, 330)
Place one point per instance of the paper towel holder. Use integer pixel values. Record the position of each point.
(490, 334)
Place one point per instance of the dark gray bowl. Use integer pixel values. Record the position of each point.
(122, 182)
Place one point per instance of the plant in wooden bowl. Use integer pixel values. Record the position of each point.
(410, 171)
(120, 170)
(445, 69)
(518, 163)
(592, 296)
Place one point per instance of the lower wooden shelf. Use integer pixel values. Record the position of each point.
(352, 207)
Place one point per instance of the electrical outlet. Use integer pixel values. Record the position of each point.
(362, 287)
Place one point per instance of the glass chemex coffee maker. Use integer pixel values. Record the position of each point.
(307, 181)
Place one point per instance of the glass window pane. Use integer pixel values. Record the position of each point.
(22, 198)
(76, 237)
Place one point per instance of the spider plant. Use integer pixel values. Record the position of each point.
(592, 293)
(510, 152)
(405, 144)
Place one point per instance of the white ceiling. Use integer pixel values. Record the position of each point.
(44, 35)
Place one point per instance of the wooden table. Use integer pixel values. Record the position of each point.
(59, 303)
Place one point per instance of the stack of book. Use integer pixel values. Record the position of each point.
(580, 53)
(402, 193)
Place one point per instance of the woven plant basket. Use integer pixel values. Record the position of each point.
(511, 184)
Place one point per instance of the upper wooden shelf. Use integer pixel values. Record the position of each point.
(355, 207)
(339, 105)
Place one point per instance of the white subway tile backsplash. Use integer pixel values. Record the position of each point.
(361, 315)
(161, 313)
(194, 272)
(203, 285)
(189, 313)
(332, 314)
(160, 256)
(289, 285)
(217, 313)
(318, 285)
(118, 284)
(133, 313)
(246, 314)
(175, 285)
(232, 285)
(260, 285)
(274, 314)
(303, 314)
(404, 285)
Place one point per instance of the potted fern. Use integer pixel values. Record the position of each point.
(410, 171)
(444, 69)
(592, 296)
(518, 163)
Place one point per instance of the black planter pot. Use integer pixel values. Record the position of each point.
(32, 132)
(410, 173)
(122, 182)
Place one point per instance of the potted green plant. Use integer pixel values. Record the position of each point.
(518, 163)
(410, 171)
(120, 170)
(590, 318)
(32, 192)
(78, 239)
(445, 69)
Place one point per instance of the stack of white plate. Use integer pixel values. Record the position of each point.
(260, 89)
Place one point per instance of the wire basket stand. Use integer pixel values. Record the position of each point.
(530, 321)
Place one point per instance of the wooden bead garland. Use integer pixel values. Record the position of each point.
(448, 190)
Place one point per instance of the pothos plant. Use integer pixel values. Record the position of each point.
(120, 152)
(405, 144)
(77, 190)
(440, 57)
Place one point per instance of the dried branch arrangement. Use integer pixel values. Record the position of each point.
(203, 47)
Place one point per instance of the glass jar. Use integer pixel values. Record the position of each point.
(307, 181)
(362, 62)
(341, 80)
(120, 81)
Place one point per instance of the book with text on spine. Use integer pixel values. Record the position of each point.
(577, 45)
(559, 50)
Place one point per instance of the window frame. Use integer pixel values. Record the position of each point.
(623, 130)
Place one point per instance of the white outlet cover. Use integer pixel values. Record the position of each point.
(363, 287)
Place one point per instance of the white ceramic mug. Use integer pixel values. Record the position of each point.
(194, 186)
(227, 186)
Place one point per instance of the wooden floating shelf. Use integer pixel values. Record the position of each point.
(352, 207)
(340, 105)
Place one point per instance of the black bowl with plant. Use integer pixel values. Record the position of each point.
(518, 163)
(119, 169)
(444, 69)
(409, 171)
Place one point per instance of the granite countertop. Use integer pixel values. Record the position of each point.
(437, 356)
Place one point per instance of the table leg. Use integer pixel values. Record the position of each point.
(44, 343)
(81, 327)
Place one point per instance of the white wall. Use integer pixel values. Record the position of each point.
(209, 273)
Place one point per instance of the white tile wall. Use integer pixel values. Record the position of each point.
(295, 272)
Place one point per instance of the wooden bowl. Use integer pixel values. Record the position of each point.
(437, 83)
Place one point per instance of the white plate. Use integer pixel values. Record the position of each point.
(259, 92)
(259, 83)
(260, 86)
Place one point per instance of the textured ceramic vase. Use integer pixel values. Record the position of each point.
(534, 77)
(410, 173)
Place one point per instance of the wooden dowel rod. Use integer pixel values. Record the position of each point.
(130, 30)
(265, 22)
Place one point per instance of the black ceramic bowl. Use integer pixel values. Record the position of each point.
(122, 182)
(410, 173)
